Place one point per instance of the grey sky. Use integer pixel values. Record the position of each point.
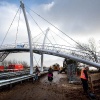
(79, 19)
(76, 16)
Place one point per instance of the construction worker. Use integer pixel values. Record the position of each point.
(84, 79)
(37, 71)
(50, 74)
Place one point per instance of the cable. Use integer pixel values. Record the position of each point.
(36, 36)
(39, 60)
(61, 38)
(56, 27)
(36, 23)
(39, 27)
(51, 24)
(9, 27)
(60, 30)
(53, 38)
(36, 60)
(17, 27)
(39, 38)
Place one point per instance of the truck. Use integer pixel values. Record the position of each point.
(15, 67)
(1, 68)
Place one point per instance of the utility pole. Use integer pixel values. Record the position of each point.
(29, 36)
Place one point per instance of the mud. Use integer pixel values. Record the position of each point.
(59, 89)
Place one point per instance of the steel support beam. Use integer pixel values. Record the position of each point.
(42, 56)
(29, 36)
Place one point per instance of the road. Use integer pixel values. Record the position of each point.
(59, 89)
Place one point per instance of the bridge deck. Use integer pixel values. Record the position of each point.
(59, 89)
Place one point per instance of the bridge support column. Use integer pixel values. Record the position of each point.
(71, 72)
(42, 62)
(43, 48)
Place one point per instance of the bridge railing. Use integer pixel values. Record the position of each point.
(56, 48)
(68, 50)
(65, 50)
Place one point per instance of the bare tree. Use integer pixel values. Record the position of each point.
(89, 48)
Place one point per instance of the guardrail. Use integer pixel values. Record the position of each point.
(18, 79)
(14, 80)
(8, 75)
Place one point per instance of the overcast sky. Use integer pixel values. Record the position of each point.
(79, 19)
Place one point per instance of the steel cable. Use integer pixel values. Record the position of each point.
(17, 27)
(40, 28)
(9, 28)
(58, 29)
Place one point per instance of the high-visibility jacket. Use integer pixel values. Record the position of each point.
(82, 74)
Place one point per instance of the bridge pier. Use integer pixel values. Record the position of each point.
(71, 72)
(42, 62)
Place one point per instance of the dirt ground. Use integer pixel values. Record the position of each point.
(59, 89)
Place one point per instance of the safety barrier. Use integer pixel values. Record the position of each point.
(8, 75)
(18, 79)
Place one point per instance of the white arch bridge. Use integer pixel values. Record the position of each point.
(51, 49)
(56, 50)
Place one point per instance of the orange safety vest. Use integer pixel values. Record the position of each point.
(82, 74)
